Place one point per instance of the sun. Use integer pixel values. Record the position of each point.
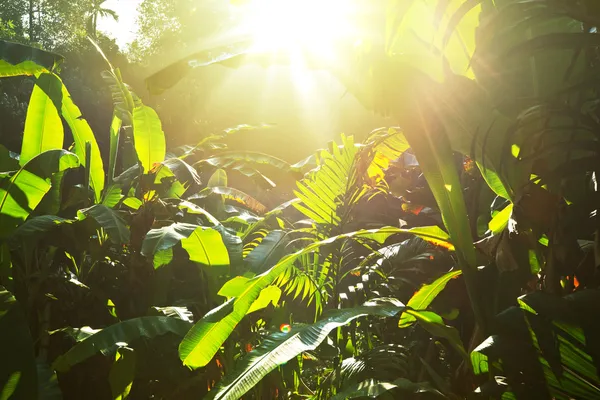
(292, 26)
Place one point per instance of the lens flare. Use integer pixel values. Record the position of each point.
(285, 328)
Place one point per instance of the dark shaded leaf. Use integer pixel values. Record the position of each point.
(107, 339)
(109, 220)
(18, 59)
(268, 252)
(18, 377)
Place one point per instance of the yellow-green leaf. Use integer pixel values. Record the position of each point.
(148, 136)
(21, 192)
(205, 246)
(206, 337)
(424, 296)
(82, 134)
(500, 220)
(43, 126)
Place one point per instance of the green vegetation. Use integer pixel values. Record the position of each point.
(454, 255)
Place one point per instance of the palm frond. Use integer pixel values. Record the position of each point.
(325, 190)
(106, 12)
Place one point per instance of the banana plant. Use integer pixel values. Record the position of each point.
(280, 347)
(18, 60)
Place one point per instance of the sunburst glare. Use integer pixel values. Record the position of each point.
(292, 26)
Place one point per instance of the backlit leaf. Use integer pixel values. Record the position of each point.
(424, 296)
(123, 332)
(149, 137)
(21, 193)
(43, 126)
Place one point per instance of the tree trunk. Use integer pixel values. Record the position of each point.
(31, 21)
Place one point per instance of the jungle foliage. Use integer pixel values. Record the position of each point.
(453, 256)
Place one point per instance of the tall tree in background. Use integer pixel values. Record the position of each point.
(60, 23)
(165, 24)
(98, 11)
(60, 26)
(31, 21)
(13, 11)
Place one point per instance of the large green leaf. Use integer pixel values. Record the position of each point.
(420, 28)
(52, 202)
(475, 128)
(149, 137)
(460, 104)
(424, 296)
(43, 126)
(82, 134)
(184, 172)
(109, 220)
(192, 208)
(500, 220)
(518, 32)
(281, 347)
(166, 237)
(17, 59)
(269, 295)
(218, 178)
(234, 287)
(206, 337)
(436, 326)
(21, 193)
(436, 160)
(211, 54)
(432, 234)
(37, 226)
(112, 195)
(267, 253)
(108, 338)
(205, 246)
(122, 373)
(239, 197)
(18, 377)
(166, 183)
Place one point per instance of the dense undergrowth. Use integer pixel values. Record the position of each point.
(453, 256)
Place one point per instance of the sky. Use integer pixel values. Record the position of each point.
(124, 30)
